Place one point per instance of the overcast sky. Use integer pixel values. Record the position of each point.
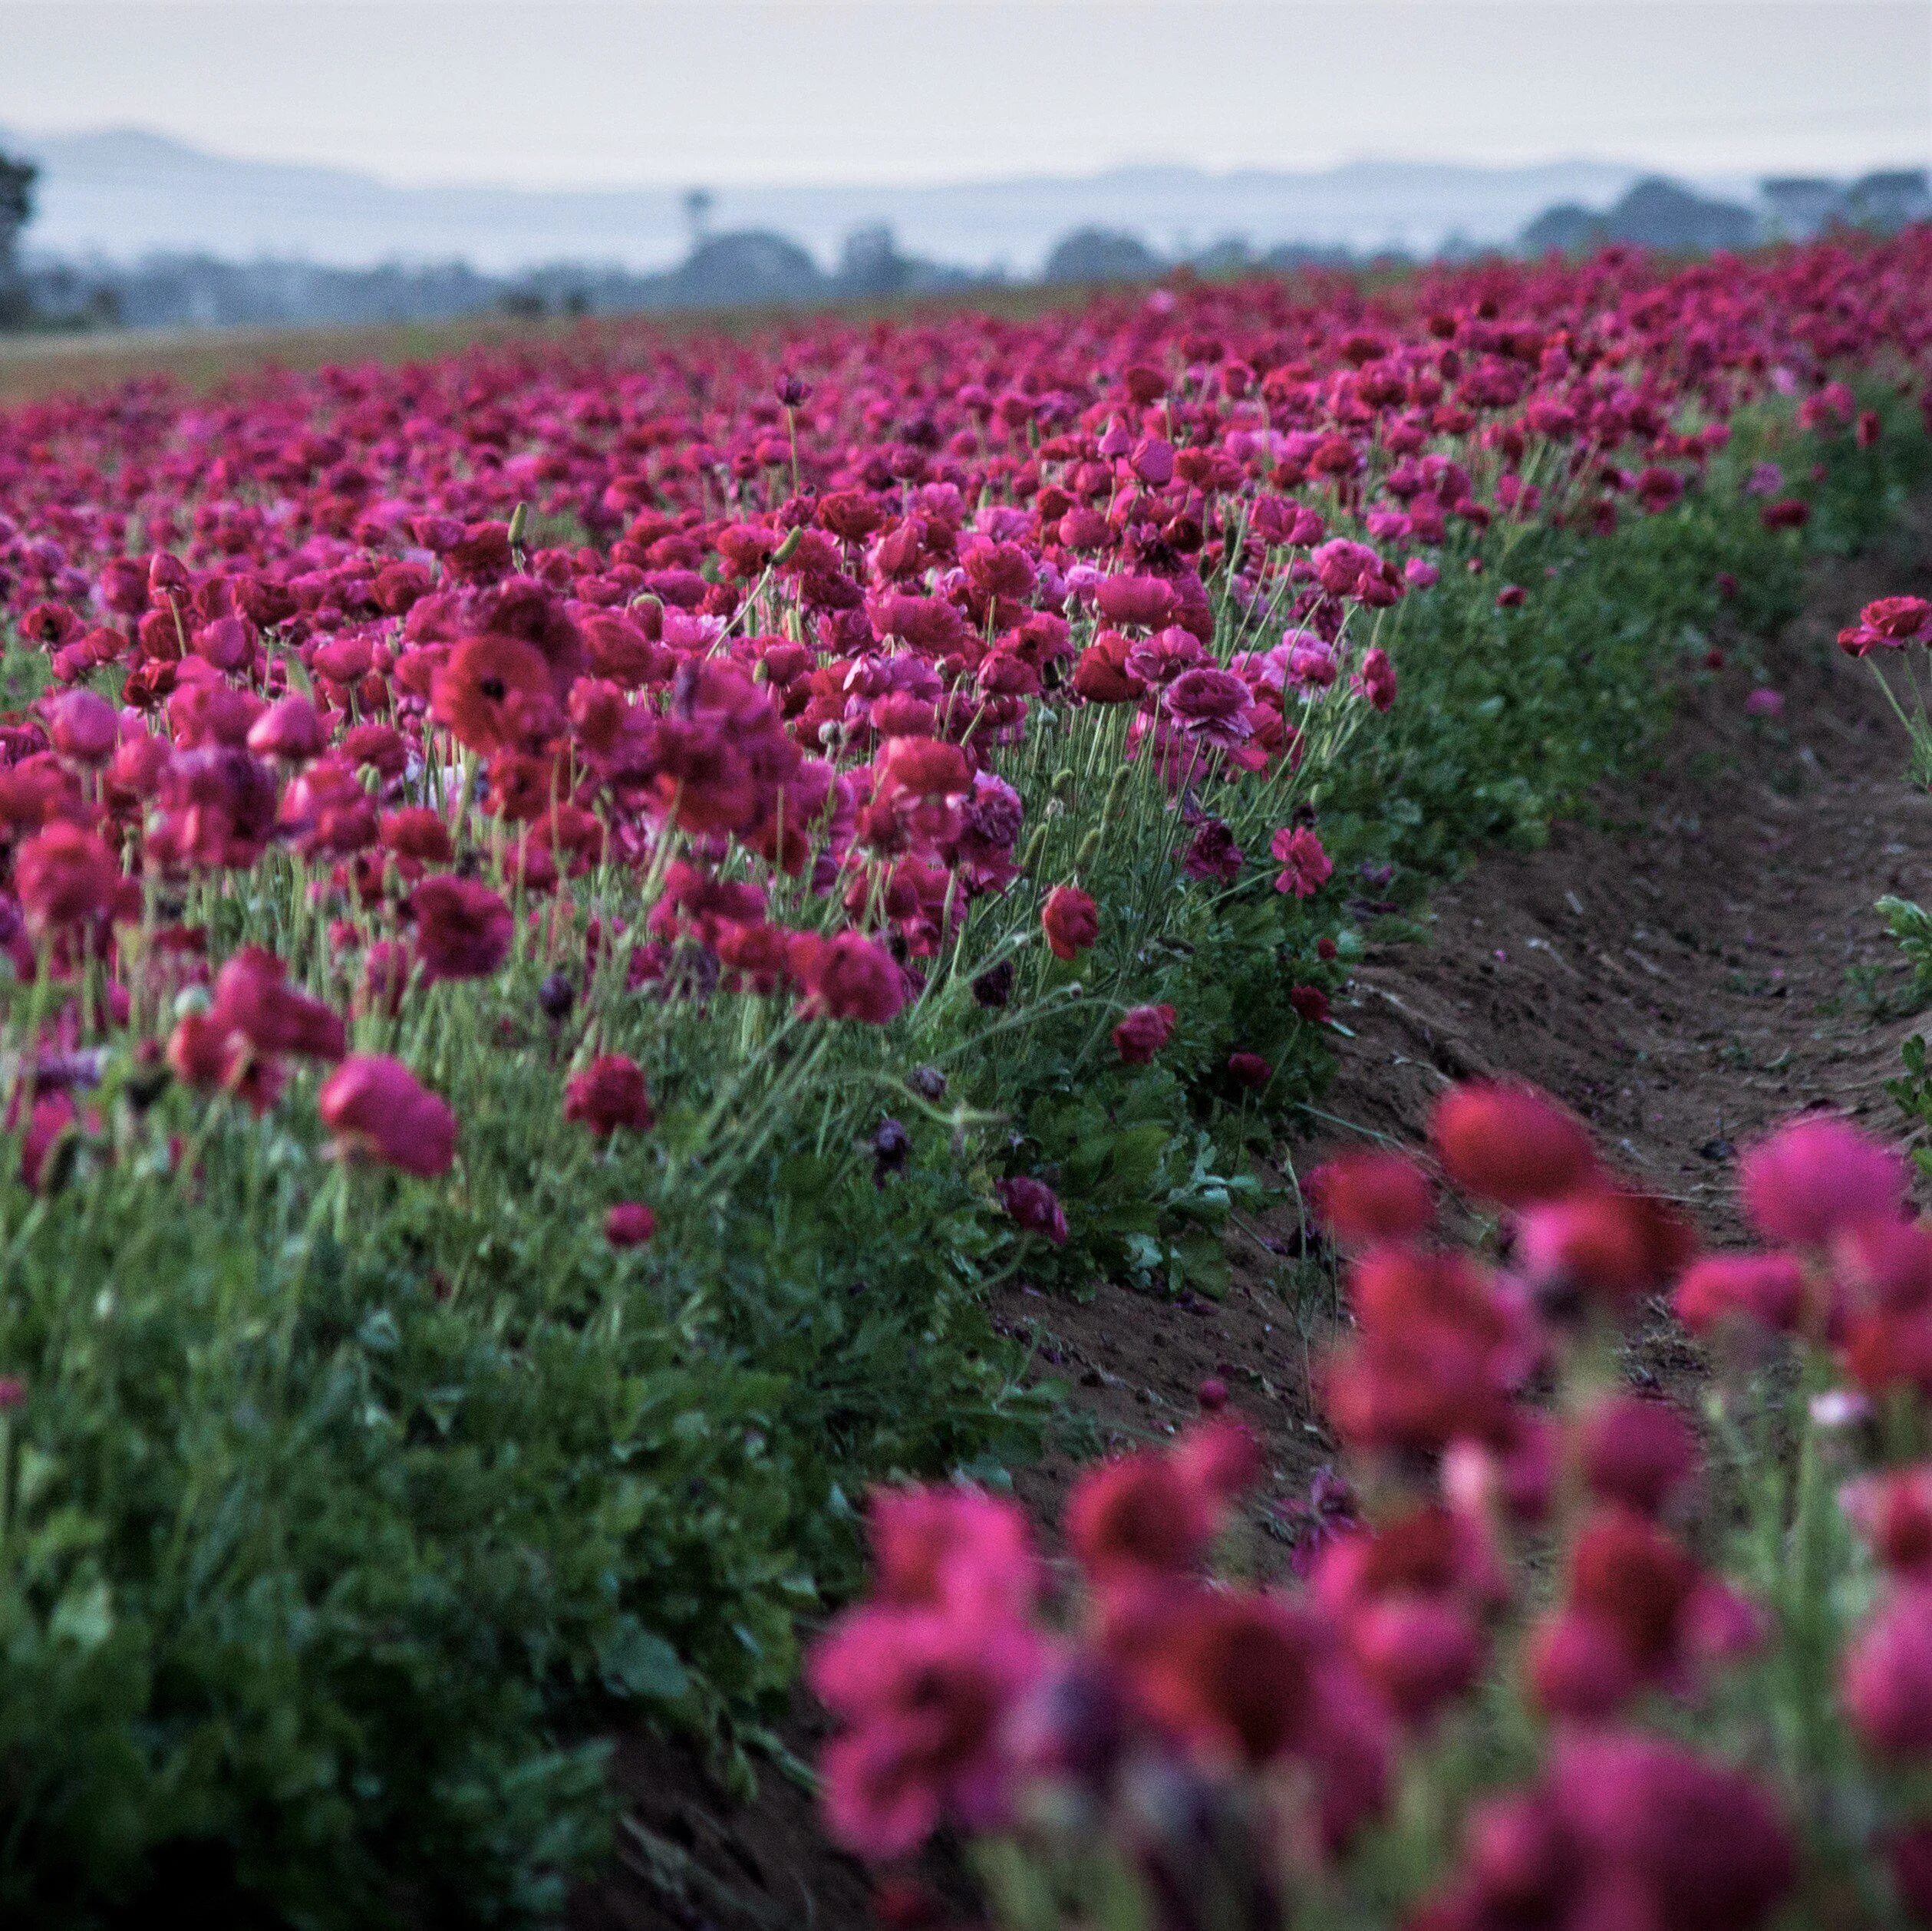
(570, 91)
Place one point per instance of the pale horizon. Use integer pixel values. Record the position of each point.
(584, 95)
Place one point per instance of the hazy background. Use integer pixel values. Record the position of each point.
(560, 92)
(976, 133)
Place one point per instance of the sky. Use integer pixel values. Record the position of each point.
(579, 92)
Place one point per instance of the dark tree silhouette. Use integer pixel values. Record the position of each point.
(17, 179)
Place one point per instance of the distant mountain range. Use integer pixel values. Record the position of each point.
(121, 194)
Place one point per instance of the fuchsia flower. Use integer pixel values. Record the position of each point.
(630, 1224)
(1624, 1829)
(928, 1700)
(1639, 1453)
(83, 727)
(464, 930)
(1637, 1612)
(847, 976)
(1887, 1683)
(69, 881)
(1305, 866)
(1251, 1070)
(376, 1110)
(1817, 1177)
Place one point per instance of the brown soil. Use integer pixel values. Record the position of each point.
(1701, 961)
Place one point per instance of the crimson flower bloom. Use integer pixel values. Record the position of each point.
(1071, 921)
(954, 1547)
(1639, 1452)
(1817, 1176)
(464, 930)
(609, 1094)
(83, 727)
(1249, 1070)
(1764, 1290)
(848, 975)
(1605, 1244)
(1886, 1685)
(376, 1110)
(1361, 1198)
(1637, 1612)
(494, 694)
(1034, 1207)
(928, 1699)
(1143, 1031)
(253, 998)
(1627, 1829)
(67, 880)
(1510, 1143)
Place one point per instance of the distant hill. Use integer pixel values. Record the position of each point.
(122, 193)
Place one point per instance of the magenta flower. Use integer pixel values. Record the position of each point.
(376, 1110)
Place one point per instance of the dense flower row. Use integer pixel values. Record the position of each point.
(1700, 1727)
(749, 695)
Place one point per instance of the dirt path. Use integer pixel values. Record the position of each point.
(1703, 962)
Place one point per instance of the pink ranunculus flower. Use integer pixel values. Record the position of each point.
(376, 1110)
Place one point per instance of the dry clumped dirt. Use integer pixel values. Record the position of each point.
(1699, 961)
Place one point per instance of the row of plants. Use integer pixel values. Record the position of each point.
(567, 914)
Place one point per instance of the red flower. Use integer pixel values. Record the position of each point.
(952, 1547)
(1437, 1355)
(376, 1110)
(252, 997)
(1624, 1830)
(1887, 1680)
(1034, 1207)
(1510, 1143)
(927, 1698)
(1310, 1004)
(1142, 1033)
(464, 930)
(494, 694)
(1604, 1243)
(1892, 1511)
(67, 880)
(1897, 619)
(1071, 921)
(1249, 1070)
(1816, 1177)
(1361, 1198)
(83, 726)
(1637, 1611)
(609, 1094)
(1140, 1515)
(847, 976)
(1766, 1289)
(1641, 1453)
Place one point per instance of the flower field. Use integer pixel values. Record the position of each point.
(571, 913)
